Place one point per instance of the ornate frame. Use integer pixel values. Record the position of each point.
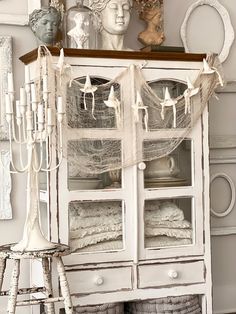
(5, 186)
(219, 143)
(228, 28)
(20, 19)
(5, 67)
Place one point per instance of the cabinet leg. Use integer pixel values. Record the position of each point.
(48, 284)
(64, 286)
(2, 271)
(11, 305)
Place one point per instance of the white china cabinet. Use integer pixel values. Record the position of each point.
(141, 232)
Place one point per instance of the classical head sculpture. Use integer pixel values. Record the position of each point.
(114, 18)
(45, 24)
(151, 12)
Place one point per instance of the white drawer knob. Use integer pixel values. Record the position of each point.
(173, 274)
(99, 281)
(142, 166)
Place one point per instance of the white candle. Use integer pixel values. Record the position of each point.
(27, 74)
(40, 113)
(9, 109)
(51, 116)
(60, 105)
(33, 93)
(18, 109)
(29, 119)
(10, 84)
(45, 83)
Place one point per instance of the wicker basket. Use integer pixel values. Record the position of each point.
(169, 305)
(109, 308)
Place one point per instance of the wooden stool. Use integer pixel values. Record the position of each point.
(46, 256)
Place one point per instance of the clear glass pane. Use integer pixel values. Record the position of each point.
(80, 106)
(168, 222)
(168, 171)
(88, 161)
(175, 89)
(96, 226)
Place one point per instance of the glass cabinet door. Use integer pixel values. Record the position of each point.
(97, 197)
(169, 193)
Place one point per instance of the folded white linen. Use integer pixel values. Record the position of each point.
(182, 224)
(164, 214)
(170, 232)
(87, 209)
(162, 241)
(81, 233)
(96, 238)
(111, 245)
(77, 222)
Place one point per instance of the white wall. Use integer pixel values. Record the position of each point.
(205, 32)
(10, 231)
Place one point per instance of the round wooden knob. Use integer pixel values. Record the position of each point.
(173, 274)
(142, 166)
(99, 281)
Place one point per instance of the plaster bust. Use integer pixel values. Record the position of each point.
(153, 34)
(45, 24)
(114, 18)
(79, 33)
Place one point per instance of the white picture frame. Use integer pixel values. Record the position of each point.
(224, 15)
(5, 186)
(5, 67)
(20, 19)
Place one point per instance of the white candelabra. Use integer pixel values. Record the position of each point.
(32, 124)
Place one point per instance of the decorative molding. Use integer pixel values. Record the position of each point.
(5, 186)
(230, 87)
(228, 28)
(228, 210)
(20, 19)
(223, 231)
(223, 142)
(5, 67)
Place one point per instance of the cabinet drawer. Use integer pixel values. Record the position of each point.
(171, 274)
(100, 280)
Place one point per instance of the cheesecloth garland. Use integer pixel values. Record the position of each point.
(121, 122)
(113, 120)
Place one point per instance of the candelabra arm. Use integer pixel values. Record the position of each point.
(15, 169)
(48, 169)
(38, 167)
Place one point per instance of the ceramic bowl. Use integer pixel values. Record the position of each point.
(84, 183)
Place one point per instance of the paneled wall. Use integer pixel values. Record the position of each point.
(205, 32)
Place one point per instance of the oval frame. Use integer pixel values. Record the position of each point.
(228, 210)
(224, 15)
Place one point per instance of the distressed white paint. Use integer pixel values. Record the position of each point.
(5, 186)
(19, 19)
(171, 273)
(5, 67)
(100, 280)
(224, 15)
(113, 276)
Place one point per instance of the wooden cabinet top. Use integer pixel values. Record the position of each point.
(132, 55)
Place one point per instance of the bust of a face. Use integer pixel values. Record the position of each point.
(115, 17)
(45, 24)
